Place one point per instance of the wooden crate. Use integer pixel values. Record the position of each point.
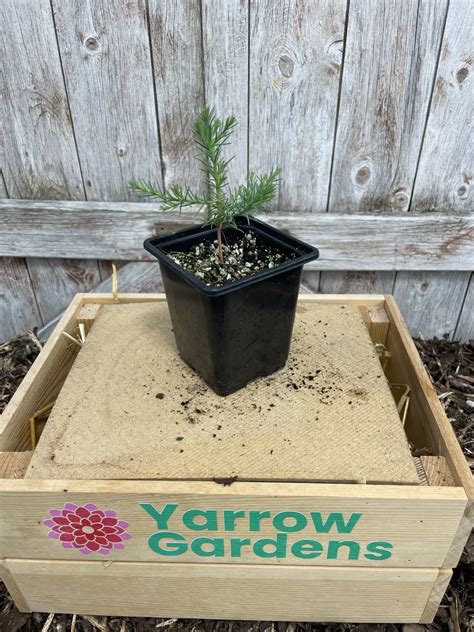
(368, 553)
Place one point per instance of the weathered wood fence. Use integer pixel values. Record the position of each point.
(366, 105)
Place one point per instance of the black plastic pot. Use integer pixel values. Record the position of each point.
(232, 334)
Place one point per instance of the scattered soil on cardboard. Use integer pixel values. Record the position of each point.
(331, 398)
(449, 364)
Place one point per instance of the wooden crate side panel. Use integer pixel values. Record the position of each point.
(381, 526)
(13, 589)
(42, 382)
(373, 300)
(428, 425)
(225, 592)
(437, 593)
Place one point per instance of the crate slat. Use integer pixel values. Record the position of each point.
(229, 592)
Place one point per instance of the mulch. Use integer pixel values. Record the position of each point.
(451, 367)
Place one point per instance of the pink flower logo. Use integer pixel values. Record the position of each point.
(87, 528)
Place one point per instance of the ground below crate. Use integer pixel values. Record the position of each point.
(130, 408)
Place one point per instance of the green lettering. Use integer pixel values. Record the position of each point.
(236, 545)
(178, 547)
(336, 519)
(217, 544)
(335, 545)
(307, 549)
(230, 517)
(300, 521)
(279, 546)
(376, 551)
(255, 518)
(209, 516)
(161, 518)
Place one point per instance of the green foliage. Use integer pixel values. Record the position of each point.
(222, 204)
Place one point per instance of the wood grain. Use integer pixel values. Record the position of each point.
(436, 433)
(426, 300)
(107, 68)
(205, 591)
(295, 63)
(56, 281)
(18, 307)
(390, 61)
(465, 326)
(444, 177)
(14, 591)
(87, 316)
(423, 515)
(434, 600)
(14, 464)
(136, 276)
(386, 241)
(356, 282)
(226, 56)
(175, 34)
(132, 277)
(437, 471)
(52, 365)
(38, 154)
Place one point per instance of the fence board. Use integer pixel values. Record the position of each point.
(38, 154)
(175, 33)
(18, 308)
(310, 281)
(430, 302)
(427, 241)
(295, 58)
(389, 65)
(357, 282)
(445, 168)
(56, 281)
(465, 326)
(107, 66)
(137, 276)
(225, 47)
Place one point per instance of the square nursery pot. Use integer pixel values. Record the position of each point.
(235, 333)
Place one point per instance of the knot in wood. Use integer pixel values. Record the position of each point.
(334, 51)
(400, 198)
(362, 175)
(461, 74)
(463, 191)
(92, 44)
(286, 66)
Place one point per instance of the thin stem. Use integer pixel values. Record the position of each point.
(219, 244)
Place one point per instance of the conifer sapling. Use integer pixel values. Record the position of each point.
(222, 203)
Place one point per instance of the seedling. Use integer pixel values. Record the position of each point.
(222, 203)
